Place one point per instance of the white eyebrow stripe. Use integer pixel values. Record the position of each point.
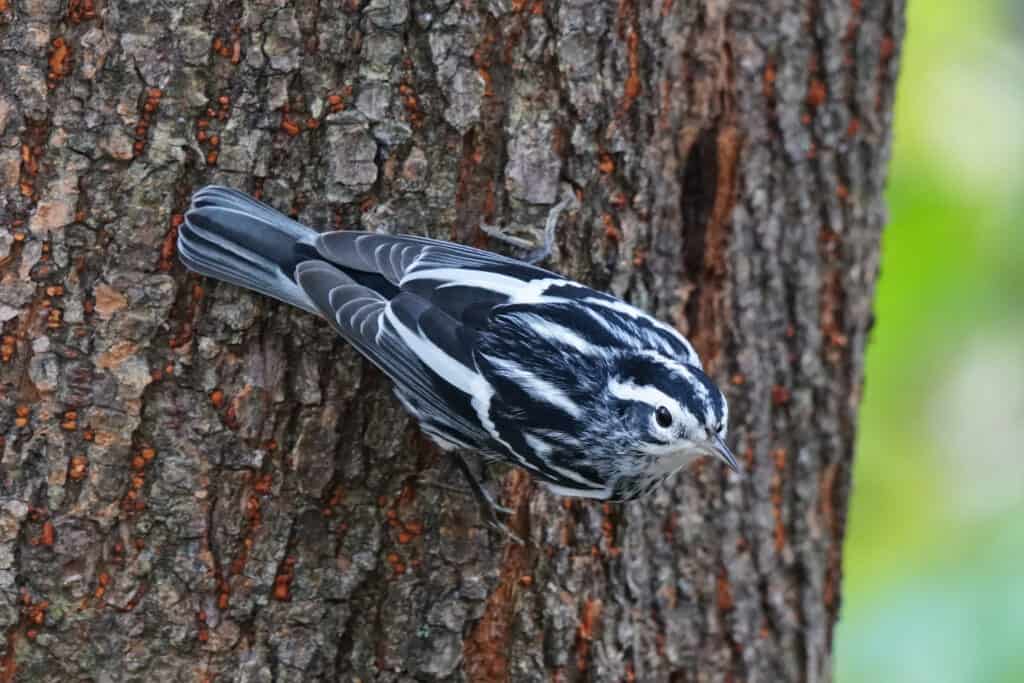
(654, 397)
(680, 368)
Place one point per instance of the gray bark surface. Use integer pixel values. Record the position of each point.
(197, 483)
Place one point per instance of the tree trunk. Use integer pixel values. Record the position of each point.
(202, 484)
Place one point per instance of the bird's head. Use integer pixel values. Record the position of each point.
(673, 412)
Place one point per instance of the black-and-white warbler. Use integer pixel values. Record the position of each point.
(490, 354)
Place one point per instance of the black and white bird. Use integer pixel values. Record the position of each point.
(493, 355)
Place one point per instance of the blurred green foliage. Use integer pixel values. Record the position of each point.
(934, 558)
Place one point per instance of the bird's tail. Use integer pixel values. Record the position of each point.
(230, 236)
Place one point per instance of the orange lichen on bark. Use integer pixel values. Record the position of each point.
(723, 592)
(483, 60)
(33, 144)
(169, 246)
(826, 500)
(36, 613)
(633, 85)
(184, 335)
(289, 126)
(769, 79)
(263, 484)
(53, 319)
(47, 536)
(396, 563)
(78, 468)
(59, 58)
(170, 243)
(608, 529)
(337, 101)
(817, 93)
(832, 297)
(831, 326)
(283, 580)
(149, 108)
(888, 48)
(217, 398)
(203, 631)
(21, 415)
(8, 345)
(228, 49)
(585, 633)
(81, 10)
(253, 512)
(103, 579)
(611, 231)
(28, 160)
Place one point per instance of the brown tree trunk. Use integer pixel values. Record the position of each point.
(201, 484)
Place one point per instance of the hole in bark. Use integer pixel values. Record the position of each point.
(700, 187)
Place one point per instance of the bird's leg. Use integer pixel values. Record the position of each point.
(535, 254)
(489, 508)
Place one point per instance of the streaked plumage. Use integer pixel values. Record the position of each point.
(488, 353)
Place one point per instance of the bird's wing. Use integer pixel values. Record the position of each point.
(464, 282)
(423, 351)
(471, 285)
(395, 256)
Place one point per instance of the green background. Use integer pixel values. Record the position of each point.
(934, 558)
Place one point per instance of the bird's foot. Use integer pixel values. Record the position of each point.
(490, 511)
(535, 253)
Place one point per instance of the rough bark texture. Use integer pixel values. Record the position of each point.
(199, 484)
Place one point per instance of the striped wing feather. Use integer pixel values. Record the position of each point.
(382, 331)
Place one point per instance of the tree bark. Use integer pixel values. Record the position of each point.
(202, 484)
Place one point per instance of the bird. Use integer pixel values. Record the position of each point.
(491, 355)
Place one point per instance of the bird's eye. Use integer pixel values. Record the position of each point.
(663, 417)
(720, 428)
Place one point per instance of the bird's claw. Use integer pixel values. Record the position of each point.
(535, 253)
(490, 510)
(495, 524)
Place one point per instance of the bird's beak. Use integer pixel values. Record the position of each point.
(724, 454)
